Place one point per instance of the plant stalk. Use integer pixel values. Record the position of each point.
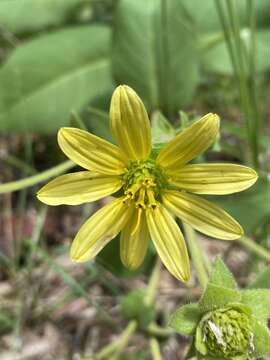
(35, 179)
(196, 255)
(255, 248)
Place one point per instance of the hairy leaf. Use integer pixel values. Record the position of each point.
(216, 297)
(185, 319)
(259, 301)
(221, 275)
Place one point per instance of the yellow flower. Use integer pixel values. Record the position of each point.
(150, 189)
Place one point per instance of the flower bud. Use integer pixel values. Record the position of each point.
(225, 333)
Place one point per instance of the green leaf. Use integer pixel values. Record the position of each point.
(258, 301)
(221, 275)
(250, 208)
(216, 297)
(261, 338)
(185, 319)
(262, 280)
(48, 77)
(217, 60)
(162, 130)
(16, 17)
(155, 52)
(98, 121)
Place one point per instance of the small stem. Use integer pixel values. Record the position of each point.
(155, 349)
(35, 179)
(36, 234)
(255, 248)
(158, 331)
(119, 344)
(196, 254)
(153, 283)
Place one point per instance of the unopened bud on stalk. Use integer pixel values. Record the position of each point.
(225, 333)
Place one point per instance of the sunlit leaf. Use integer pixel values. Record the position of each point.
(154, 51)
(217, 59)
(16, 16)
(46, 78)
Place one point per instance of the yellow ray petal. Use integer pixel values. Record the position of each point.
(169, 242)
(97, 231)
(202, 215)
(189, 143)
(133, 248)
(130, 124)
(91, 152)
(215, 179)
(78, 188)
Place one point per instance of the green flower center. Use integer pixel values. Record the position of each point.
(227, 333)
(143, 183)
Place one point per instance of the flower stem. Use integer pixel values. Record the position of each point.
(153, 283)
(255, 248)
(119, 344)
(157, 331)
(155, 349)
(35, 179)
(196, 254)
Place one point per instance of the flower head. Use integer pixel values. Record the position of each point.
(227, 323)
(226, 333)
(151, 188)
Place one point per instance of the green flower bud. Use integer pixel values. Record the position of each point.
(225, 333)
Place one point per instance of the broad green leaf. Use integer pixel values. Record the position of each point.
(259, 301)
(32, 15)
(155, 52)
(185, 319)
(262, 280)
(215, 297)
(48, 77)
(98, 123)
(221, 275)
(250, 208)
(261, 338)
(217, 59)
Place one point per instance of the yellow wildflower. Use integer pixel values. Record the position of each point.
(150, 188)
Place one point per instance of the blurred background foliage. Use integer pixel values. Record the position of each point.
(63, 55)
(60, 61)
